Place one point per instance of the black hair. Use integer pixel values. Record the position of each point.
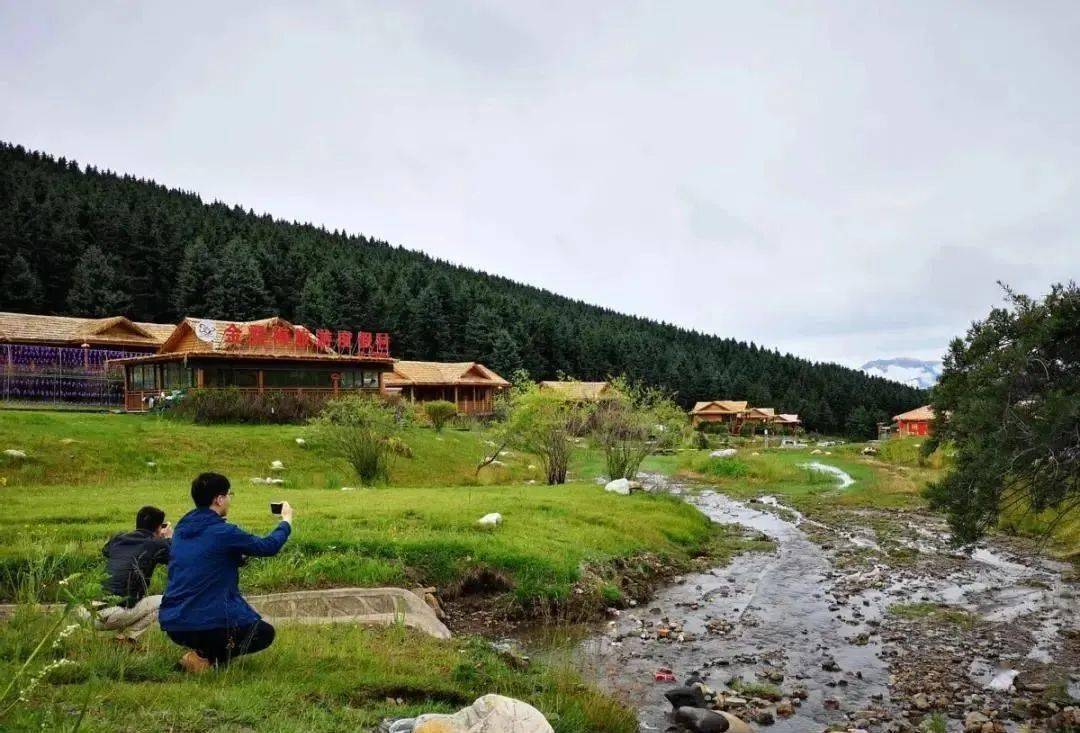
(206, 487)
(149, 518)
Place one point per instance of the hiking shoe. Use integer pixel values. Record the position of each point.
(193, 663)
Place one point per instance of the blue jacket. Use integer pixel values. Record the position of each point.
(204, 572)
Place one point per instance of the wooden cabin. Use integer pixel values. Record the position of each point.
(787, 423)
(62, 361)
(469, 385)
(580, 391)
(257, 356)
(915, 422)
(728, 412)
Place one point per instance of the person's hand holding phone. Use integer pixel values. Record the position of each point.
(286, 512)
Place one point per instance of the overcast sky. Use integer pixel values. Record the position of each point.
(845, 181)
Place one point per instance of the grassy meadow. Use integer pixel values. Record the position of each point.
(85, 475)
(572, 546)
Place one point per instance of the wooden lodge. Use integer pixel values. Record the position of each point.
(256, 356)
(469, 385)
(579, 391)
(61, 361)
(737, 413)
(919, 421)
(728, 412)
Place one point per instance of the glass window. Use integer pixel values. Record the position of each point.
(370, 379)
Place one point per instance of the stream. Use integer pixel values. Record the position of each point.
(811, 622)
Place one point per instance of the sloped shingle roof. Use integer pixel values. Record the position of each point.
(723, 407)
(926, 412)
(578, 390)
(69, 330)
(443, 373)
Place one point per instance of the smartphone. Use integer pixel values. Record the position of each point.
(275, 507)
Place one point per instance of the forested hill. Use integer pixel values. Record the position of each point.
(82, 241)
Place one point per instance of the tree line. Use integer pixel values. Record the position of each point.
(81, 241)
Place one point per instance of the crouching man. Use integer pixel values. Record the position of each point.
(202, 608)
(131, 558)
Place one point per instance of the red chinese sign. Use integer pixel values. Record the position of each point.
(299, 338)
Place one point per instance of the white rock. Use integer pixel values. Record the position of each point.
(490, 520)
(13, 453)
(497, 462)
(489, 714)
(532, 466)
(348, 488)
(274, 481)
(723, 453)
(151, 464)
(301, 442)
(815, 452)
(755, 453)
(258, 480)
(277, 466)
(618, 486)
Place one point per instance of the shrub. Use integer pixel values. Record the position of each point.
(364, 431)
(726, 468)
(230, 405)
(439, 413)
(634, 423)
(544, 424)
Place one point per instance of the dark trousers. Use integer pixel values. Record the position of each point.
(220, 646)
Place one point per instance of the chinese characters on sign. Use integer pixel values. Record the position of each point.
(346, 343)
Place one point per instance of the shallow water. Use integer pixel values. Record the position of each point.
(784, 619)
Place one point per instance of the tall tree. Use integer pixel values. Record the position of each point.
(95, 288)
(21, 285)
(1009, 401)
(238, 291)
(194, 280)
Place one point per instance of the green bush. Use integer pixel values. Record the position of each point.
(363, 430)
(726, 468)
(231, 405)
(439, 412)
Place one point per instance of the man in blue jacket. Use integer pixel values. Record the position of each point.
(202, 608)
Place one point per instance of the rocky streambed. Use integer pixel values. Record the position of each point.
(863, 620)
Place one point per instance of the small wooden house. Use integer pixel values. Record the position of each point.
(787, 422)
(257, 356)
(469, 385)
(579, 391)
(728, 412)
(915, 422)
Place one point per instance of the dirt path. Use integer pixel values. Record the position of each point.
(810, 627)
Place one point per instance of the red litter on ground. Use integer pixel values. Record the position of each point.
(664, 675)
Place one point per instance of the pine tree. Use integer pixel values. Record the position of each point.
(95, 289)
(24, 292)
(238, 291)
(194, 280)
(505, 357)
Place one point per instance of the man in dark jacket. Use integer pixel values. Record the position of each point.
(131, 558)
(202, 608)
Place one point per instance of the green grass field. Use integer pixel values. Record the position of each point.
(85, 475)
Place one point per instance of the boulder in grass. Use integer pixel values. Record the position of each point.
(618, 486)
(489, 714)
(277, 466)
(301, 442)
(18, 455)
(490, 520)
(723, 453)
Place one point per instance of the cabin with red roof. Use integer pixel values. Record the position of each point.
(919, 421)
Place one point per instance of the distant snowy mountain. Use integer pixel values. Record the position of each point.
(915, 372)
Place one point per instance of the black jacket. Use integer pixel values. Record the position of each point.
(132, 557)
